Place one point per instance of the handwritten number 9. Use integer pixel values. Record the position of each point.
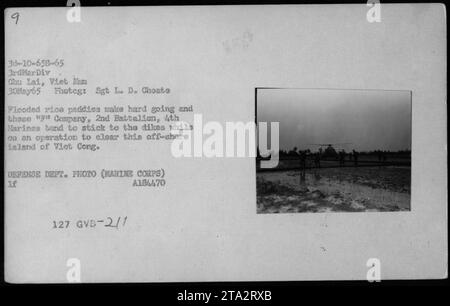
(16, 17)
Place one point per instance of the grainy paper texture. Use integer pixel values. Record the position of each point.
(203, 225)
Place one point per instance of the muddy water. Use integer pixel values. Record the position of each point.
(338, 189)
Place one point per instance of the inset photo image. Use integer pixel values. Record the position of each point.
(337, 150)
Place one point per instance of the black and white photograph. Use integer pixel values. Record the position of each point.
(339, 151)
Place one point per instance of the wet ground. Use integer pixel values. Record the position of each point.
(335, 190)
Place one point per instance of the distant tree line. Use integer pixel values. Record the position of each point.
(295, 152)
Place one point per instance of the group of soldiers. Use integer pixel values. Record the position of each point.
(353, 157)
(303, 155)
(316, 157)
(382, 157)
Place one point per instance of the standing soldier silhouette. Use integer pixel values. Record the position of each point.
(303, 186)
(342, 158)
(317, 160)
(355, 158)
(302, 160)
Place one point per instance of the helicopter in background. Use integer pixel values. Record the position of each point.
(329, 151)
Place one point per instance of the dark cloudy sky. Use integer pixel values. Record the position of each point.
(369, 119)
